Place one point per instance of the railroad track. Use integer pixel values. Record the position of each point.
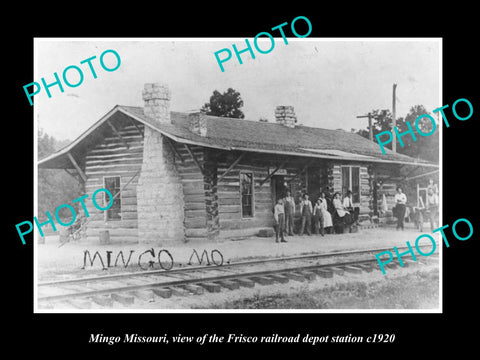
(126, 288)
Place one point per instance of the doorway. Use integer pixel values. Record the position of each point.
(279, 187)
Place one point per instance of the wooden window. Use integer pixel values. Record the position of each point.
(351, 181)
(355, 183)
(345, 180)
(246, 192)
(112, 184)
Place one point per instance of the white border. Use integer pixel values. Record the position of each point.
(229, 311)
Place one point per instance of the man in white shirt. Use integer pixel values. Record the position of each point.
(279, 216)
(348, 205)
(347, 201)
(433, 186)
(400, 202)
(289, 204)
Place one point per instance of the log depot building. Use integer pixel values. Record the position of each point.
(191, 176)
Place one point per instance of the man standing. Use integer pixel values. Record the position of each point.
(307, 211)
(348, 205)
(400, 201)
(433, 186)
(318, 218)
(279, 216)
(289, 204)
(432, 206)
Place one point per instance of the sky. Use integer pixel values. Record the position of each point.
(328, 81)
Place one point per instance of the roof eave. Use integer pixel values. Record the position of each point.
(178, 139)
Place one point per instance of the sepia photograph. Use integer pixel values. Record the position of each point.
(189, 175)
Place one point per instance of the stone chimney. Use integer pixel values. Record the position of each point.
(160, 204)
(198, 123)
(285, 115)
(156, 98)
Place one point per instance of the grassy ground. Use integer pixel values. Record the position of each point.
(418, 290)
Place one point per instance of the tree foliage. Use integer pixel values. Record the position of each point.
(425, 147)
(55, 186)
(227, 104)
(46, 144)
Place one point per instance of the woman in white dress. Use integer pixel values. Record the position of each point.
(327, 217)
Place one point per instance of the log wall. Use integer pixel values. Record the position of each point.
(112, 158)
(194, 192)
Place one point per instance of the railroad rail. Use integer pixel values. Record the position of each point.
(125, 288)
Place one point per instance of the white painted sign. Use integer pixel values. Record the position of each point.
(278, 172)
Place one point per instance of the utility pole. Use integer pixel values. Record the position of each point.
(394, 120)
(370, 129)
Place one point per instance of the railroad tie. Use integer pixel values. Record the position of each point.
(407, 263)
(262, 280)
(210, 286)
(194, 289)
(245, 282)
(279, 278)
(309, 275)
(422, 261)
(178, 291)
(352, 269)
(324, 273)
(162, 292)
(337, 270)
(391, 265)
(145, 295)
(123, 299)
(231, 285)
(365, 267)
(103, 300)
(295, 276)
(80, 303)
(429, 260)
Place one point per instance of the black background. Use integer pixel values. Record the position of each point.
(67, 334)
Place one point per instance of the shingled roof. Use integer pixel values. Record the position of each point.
(254, 136)
(248, 135)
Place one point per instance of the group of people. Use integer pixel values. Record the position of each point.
(431, 206)
(320, 214)
(326, 211)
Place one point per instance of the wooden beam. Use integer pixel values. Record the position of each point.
(194, 158)
(302, 171)
(73, 175)
(231, 166)
(417, 176)
(172, 145)
(272, 173)
(115, 131)
(79, 170)
(136, 126)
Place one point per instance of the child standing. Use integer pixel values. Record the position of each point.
(279, 216)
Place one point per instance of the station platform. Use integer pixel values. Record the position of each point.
(54, 262)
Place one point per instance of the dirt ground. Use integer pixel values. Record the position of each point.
(54, 262)
(414, 287)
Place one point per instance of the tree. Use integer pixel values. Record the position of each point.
(227, 104)
(55, 186)
(46, 144)
(382, 121)
(425, 147)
